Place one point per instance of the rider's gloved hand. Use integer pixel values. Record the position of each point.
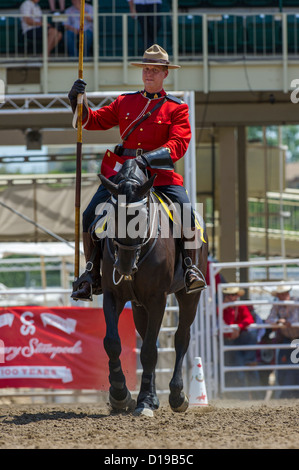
(141, 162)
(78, 88)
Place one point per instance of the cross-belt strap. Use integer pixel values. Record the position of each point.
(144, 117)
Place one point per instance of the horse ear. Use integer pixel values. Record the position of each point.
(146, 186)
(111, 187)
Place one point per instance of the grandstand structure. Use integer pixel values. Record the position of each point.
(239, 58)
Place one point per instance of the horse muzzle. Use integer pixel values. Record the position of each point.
(125, 269)
(126, 260)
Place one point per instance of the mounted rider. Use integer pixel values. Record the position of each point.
(155, 129)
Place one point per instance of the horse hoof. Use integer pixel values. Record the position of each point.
(120, 405)
(183, 407)
(143, 411)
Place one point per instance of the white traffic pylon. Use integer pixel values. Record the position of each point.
(198, 392)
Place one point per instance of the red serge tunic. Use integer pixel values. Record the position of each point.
(168, 127)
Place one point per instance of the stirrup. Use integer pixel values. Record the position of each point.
(192, 267)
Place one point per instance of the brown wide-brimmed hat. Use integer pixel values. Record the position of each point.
(155, 55)
(281, 290)
(233, 291)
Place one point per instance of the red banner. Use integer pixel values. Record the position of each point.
(61, 348)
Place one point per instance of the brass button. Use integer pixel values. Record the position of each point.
(108, 154)
(141, 129)
(139, 143)
(159, 122)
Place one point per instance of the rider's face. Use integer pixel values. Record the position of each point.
(153, 77)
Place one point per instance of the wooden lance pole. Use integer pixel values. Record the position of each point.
(79, 145)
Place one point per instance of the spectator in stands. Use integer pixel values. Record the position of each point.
(32, 26)
(52, 5)
(72, 28)
(241, 318)
(149, 24)
(285, 316)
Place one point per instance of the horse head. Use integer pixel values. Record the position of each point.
(129, 194)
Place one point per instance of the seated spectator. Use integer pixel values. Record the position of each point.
(72, 28)
(148, 13)
(241, 317)
(52, 6)
(32, 26)
(285, 316)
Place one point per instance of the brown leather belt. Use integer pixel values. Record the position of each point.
(131, 152)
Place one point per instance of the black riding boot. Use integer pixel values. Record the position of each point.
(194, 278)
(90, 281)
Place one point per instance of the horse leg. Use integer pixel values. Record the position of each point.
(178, 400)
(148, 325)
(119, 395)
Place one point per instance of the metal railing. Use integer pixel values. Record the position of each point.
(223, 348)
(217, 346)
(274, 208)
(116, 37)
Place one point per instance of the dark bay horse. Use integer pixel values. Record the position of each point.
(144, 269)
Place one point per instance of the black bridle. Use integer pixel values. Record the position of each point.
(143, 202)
(136, 247)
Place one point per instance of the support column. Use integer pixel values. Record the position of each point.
(242, 201)
(227, 199)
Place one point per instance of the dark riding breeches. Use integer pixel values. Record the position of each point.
(175, 193)
(101, 195)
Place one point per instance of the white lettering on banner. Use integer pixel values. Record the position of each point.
(27, 327)
(35, 347)
(67, 325)
(6, 319)
(36, 372)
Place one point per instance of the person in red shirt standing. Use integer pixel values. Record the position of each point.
(157, 143)
(241, 318)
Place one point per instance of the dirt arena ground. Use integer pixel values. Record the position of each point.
(226, 424)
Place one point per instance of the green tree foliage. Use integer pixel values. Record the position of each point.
(290, 138)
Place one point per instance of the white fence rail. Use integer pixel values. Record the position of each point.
(217, 345)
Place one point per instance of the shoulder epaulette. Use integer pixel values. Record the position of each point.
(174, 98)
